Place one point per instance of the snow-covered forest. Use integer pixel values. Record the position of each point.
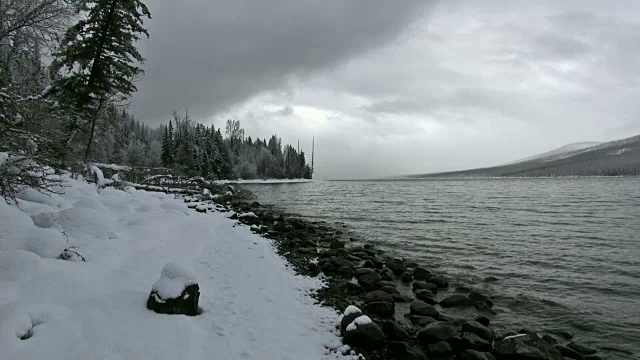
(67, 70)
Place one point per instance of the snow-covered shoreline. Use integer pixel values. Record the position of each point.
(253, 304)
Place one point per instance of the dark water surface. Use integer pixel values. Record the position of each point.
(565, 251)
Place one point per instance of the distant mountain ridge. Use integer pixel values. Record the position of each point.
(562, 151)
(614, 158)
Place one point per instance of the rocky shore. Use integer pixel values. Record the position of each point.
(394, 308)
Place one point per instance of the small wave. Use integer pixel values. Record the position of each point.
(616, 350)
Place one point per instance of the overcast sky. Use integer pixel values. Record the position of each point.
(399, 87)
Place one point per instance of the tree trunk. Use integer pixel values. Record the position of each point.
(93, 127)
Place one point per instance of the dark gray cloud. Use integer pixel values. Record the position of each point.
(401, 87)
(208, 55)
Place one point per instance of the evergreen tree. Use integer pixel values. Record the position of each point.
(98, 53)
(165, 147)
(223, 160)
(171, 151)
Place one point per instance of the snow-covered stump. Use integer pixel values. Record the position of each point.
(176, 292)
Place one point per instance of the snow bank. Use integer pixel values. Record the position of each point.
(254, 306)
(17, 264)
(173, 280)
(81, 222)
(18, 232)
(33, 195)
(175, 206)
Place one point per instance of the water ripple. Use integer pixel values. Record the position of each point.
(566, 252)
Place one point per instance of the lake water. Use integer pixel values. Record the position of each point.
(565, 251)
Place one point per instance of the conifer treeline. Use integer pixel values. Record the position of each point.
(197, 150)
(193, 149)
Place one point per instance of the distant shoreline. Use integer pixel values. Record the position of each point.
(441, 177)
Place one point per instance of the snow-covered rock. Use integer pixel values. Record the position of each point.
(358, 322)
(350, 314)
(363, 333)
(176, 292)
(173, 280)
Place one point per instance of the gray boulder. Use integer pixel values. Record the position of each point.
(474, 342)
(426, 296)
(423, 309)
(421, 320)
(379, 303)
(345, 272)
(482, 319)
(376, 296)
(383, 283)
(399, 298)
(369, 281)
(382, 309)
(439, 281)
(362, 271)
(526, 347)
(406, 278)
(390, 289)
(397, 266)
(440, 348)
(368, 264)
(393, 331)
(478, 329)
(387, 274)
(403, 351)
(338, 262)
(456, 300)
(420, 273)
(438, 331)
(421, 285)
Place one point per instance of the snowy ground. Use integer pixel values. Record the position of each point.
(254, 307)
